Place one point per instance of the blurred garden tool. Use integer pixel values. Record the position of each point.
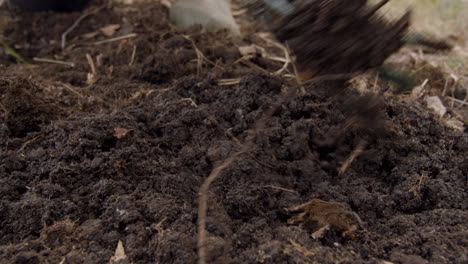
(339, 36)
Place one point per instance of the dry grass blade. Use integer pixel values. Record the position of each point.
(461, 102)
(13, 52)
(279, 188)
(132, 59)
(131, 35)
(359, 149)
(287, 58)
(71, 64)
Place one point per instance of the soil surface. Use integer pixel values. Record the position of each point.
(90, 157)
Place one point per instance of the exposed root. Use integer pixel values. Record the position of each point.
(358, 150)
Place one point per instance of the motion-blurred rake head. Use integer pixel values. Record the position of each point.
(339, 36)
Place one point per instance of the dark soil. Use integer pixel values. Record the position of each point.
(121, 156)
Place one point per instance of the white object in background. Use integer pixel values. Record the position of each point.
(435, 104)
(211, 14)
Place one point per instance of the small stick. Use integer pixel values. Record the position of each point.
(71, 89)
(77, 22)
(457, 100)
(359, 148)
(91, 64)
(203, 205)
(71, 64)
(445, 87)
(25, 144)
(131, 35)
(279, 188)
(287, 58)
(227, 82)
(132, 59)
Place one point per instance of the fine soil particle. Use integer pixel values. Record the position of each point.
(86, 162)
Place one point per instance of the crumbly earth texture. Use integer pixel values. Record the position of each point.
(88, 159)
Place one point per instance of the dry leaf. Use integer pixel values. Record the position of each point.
(109, 30)
(435, 104)
(120, 132)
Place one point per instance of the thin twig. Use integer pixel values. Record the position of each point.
(227, 82)
(358, 150)
(77, 22)
(91, 76)
(25, 144)
(131, 35)
(71, 64)
(445, 87)
(287, 58)
(203, 205)
(91, 63)
(132, 59)
(279, 188)
(71, 89)
(200, 56)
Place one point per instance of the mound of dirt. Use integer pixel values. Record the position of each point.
(91, 158)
